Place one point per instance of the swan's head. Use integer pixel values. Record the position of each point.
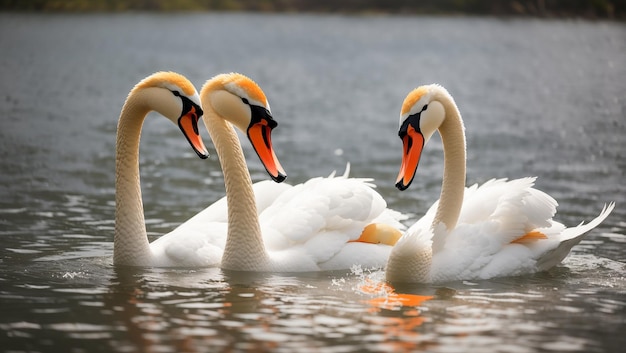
(241, 101)
(180, 103)
(422, 114)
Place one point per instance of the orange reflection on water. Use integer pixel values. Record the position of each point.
(401, 332)
(389, 299)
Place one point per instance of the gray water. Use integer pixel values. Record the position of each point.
(539, 98)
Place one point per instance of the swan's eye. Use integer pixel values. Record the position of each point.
(425, 107)
(245, 101)
(176, 93)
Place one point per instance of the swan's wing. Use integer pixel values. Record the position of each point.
(496, 196)
(200, 240)
(480, 204)
(365, 255)
(476, 251)
(191, 244)
(514, 206)
(492, 216)
(321, 216)
(542, 254)
(265, 193)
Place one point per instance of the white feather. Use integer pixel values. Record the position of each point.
(199, 242)
(318, 218)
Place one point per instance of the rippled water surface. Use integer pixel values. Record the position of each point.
(544, 98)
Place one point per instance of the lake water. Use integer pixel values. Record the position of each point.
(539, 97)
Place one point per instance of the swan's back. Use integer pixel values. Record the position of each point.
(492, 236)
(200, 241)
(317, 219)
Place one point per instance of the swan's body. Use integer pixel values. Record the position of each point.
(501, 228)
(174, 97)
(309, 227)
(200, 241)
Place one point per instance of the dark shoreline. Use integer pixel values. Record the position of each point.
(584, 9)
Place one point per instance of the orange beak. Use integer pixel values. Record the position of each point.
(413, 143)
(260, 135)
(188, 124)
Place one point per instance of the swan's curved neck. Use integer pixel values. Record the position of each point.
(130, 245)
(453, 185)
(244, 248)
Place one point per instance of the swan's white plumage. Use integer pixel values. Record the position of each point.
(199, 242)
(493, 215)
(318, 218)
(480, 246)
(305, 227)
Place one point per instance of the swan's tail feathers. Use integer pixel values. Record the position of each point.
(581, 229)
(346, 173)
(571, 237)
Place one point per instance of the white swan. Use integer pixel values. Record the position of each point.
(174, 97)
(501, 228)
(323, 224)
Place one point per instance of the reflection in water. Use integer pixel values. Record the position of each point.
(203, 310)
(389, 299)
(190, 310)
(160, 309)
(400, 332)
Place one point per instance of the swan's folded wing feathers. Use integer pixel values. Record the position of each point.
(294, 223)
(325, 245)
(186, 246)
(392, 218)
(467, 250)
(515, 204)
(470, 254)
(479, 202)
(512, 260)
(539, 208)
(353, 253)
(322, 204)
(321, 215)
(216, 212)
(267, 191)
